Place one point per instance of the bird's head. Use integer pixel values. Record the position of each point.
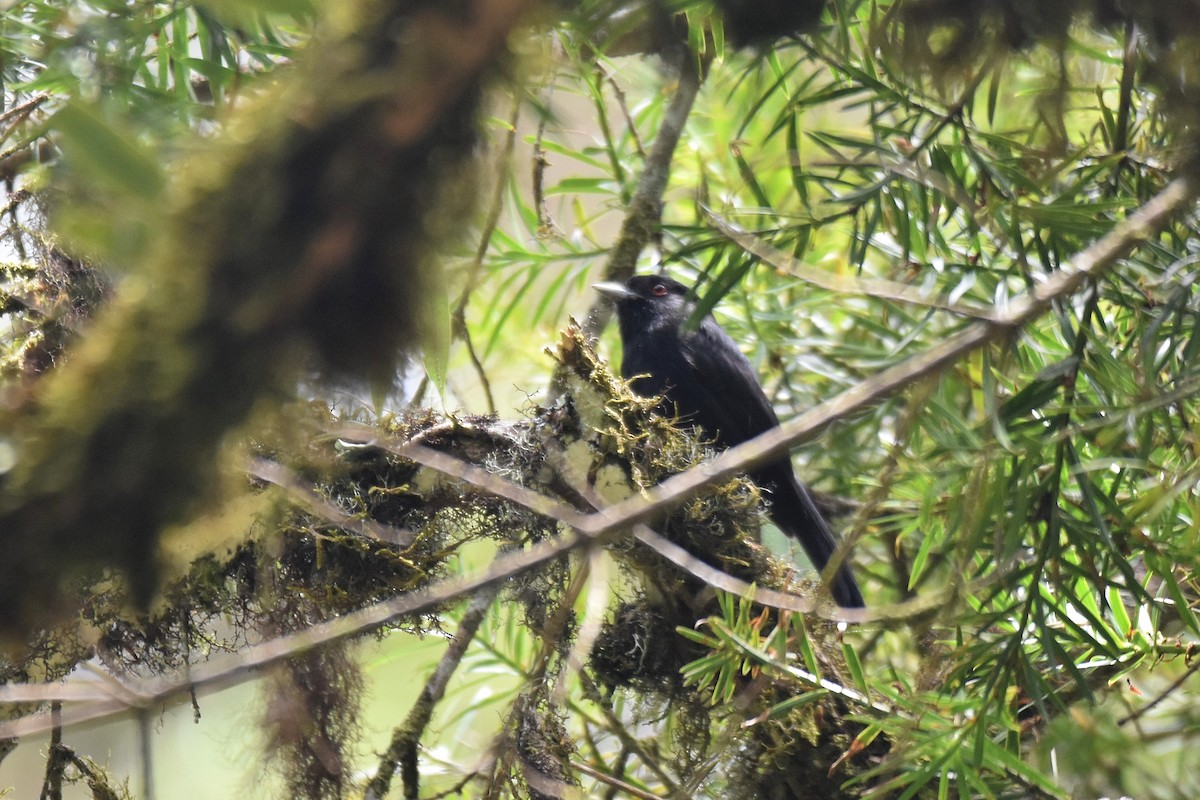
(648, 299)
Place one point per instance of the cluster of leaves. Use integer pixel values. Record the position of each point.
(1047, 481)
(1044, 485)
(118, 87)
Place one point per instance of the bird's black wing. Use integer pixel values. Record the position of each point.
(726, 399)
(729, 402)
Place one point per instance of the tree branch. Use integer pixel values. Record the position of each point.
(302, 232)
(643, 219)
(1090, 263)
(608, 523)
(894, 291)
(407, 737)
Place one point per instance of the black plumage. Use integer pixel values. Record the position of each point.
(710, 385)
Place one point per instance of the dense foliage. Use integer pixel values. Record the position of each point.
(209, 205)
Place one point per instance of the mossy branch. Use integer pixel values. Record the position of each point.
(607, 523)
(304, 232)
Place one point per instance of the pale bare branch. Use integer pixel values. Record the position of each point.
(894, 291)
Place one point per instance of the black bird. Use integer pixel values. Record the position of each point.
(710, 385)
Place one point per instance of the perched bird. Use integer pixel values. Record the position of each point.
(709, 384)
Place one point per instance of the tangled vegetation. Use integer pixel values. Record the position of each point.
(956, 239)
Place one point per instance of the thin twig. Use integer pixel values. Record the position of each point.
(618, 729)
(1175, 684)
(15, 199)
(21, 693)
(545, 221)
(871, 287)
(145, 723)
(1128, 74)
(644, 218)
(882, 484)
(55, 762)
(305, 495)
(458, 317)
(250, 662)
(13, 160)
(595, 610)
(680, 557)
(407, 737)
(20, 112)
(604, 777)
(910, 610)
(489, 482)
(801, 675)
(622, 104)
(596, 93)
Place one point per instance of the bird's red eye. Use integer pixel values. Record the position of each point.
(659, 290)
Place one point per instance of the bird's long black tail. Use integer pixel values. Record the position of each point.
(797, 516)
